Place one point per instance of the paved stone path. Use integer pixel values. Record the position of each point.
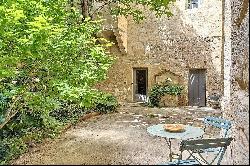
(117, 138)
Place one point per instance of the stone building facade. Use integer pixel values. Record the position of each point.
(167, 48)
(214, 37)
(236, 77)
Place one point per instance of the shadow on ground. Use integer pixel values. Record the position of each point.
(117, 138)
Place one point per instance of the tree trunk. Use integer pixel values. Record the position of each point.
(85, 9)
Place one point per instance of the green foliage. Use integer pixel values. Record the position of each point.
(134, 8)
(27, 128)
(49, 53)
(3, 107)
(106, 103)
(10, 148)
(160, 90)
(131, 7)
(49, 63)
(68, 112)
(14, 142)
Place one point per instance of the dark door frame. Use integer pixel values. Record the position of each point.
(134, 80)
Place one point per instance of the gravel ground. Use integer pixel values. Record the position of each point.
(117, 138)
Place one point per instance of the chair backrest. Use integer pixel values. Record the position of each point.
(193, 146)
(219, 123)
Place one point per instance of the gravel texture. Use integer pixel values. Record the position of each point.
(117, 138)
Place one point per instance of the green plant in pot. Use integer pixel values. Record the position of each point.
(161, 89)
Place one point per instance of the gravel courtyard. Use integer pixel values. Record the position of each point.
(116, 138)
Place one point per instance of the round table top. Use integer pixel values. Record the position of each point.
(190, 132)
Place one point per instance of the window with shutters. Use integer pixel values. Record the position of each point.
(191, 4)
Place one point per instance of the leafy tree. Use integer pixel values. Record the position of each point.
(51, 57)
(48, 54)
(125, 7)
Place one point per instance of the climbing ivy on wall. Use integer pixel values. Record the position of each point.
(159, 90)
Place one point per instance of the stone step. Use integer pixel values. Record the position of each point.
(134, 104)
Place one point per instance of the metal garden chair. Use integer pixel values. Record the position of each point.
(194, 146)
(219, 123)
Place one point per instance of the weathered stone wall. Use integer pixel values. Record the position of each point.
(236, 78)
(192, 38)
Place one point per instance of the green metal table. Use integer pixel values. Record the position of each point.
(189, 133)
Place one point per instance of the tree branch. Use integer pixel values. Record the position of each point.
(12, 115)
(101, 7)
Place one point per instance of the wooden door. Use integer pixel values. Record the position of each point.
(197, 87)
(140, 82)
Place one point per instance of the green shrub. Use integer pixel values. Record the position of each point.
(159, 90)
(41, 43)
(68, 112)
(4, 103)
(28, 126)
(11, 148)
(106, 103)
